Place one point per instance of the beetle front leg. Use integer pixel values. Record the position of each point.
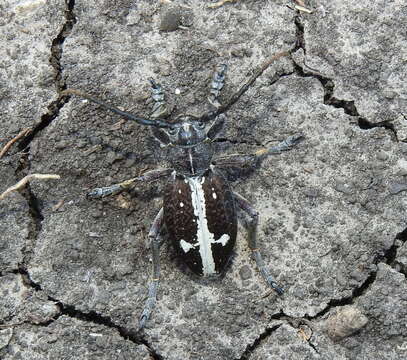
(254, 215)
(154, 237)
(115, 189)
(217, 83)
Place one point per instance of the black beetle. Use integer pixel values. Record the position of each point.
(199, 209)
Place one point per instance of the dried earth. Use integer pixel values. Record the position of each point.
(333, 228)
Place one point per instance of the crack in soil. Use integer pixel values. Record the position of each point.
(93, 317)
(295, 323)
(389, 255)
(328, 85)
(251, 347)
(129, 334)
(55, 106)
(58, 42)
(53, 110)
(401, 238)
(23, 146)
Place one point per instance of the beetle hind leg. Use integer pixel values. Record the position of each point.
(155, 238)
(217, 83)
(252, 228)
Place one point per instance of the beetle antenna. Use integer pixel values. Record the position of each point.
(210, 115)
(126, 115)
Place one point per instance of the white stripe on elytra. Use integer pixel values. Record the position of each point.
(204, 236)
(191, 162)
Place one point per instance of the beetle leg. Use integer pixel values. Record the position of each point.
(217, 83)
(155, 239)
(160, 107)
(285, 145)
(237, 161)
(251, 160)
(114, 189)
(254, 216)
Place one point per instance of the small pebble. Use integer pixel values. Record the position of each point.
(170, 19)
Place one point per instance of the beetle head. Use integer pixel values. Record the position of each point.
(188, 131)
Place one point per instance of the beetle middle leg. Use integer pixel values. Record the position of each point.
(285, 145)
(251, 160)
(155, 239)
(115, 189)
(252, 228)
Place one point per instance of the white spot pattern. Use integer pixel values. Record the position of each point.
(186, 246)
(223, 239)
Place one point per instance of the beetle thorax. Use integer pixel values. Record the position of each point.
(189, 143)
(193, 160)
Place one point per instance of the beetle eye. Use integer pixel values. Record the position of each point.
(172, 131)
(201, 124)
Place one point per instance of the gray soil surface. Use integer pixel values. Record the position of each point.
(74, 272)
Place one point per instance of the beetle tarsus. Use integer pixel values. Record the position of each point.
(99, 193)
(154, 236)
(274, 285)
(149, 305)
(115, 189)
(142, 322)
(252, 240)
(160, 107)
(217, 83)
(285, 145)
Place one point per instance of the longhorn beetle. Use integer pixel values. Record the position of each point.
(199, 208)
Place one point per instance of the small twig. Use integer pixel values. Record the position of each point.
(58, 205)
(303, 335)
(300, 6)
(220, 3)
(21, 134)
(25, 180)
(118, 125)
(5, 326)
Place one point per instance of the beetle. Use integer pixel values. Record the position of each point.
(199, 207)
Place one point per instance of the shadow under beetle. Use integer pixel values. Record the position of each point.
(199, 208)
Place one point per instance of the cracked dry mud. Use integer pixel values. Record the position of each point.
(73, 277)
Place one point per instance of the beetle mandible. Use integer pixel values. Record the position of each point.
(199, 208)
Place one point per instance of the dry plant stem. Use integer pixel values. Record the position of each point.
(5, 326)
(21, 134)
(58, 205)
(220, 3)
(303, 9)
(299, 6)
(25, 180)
